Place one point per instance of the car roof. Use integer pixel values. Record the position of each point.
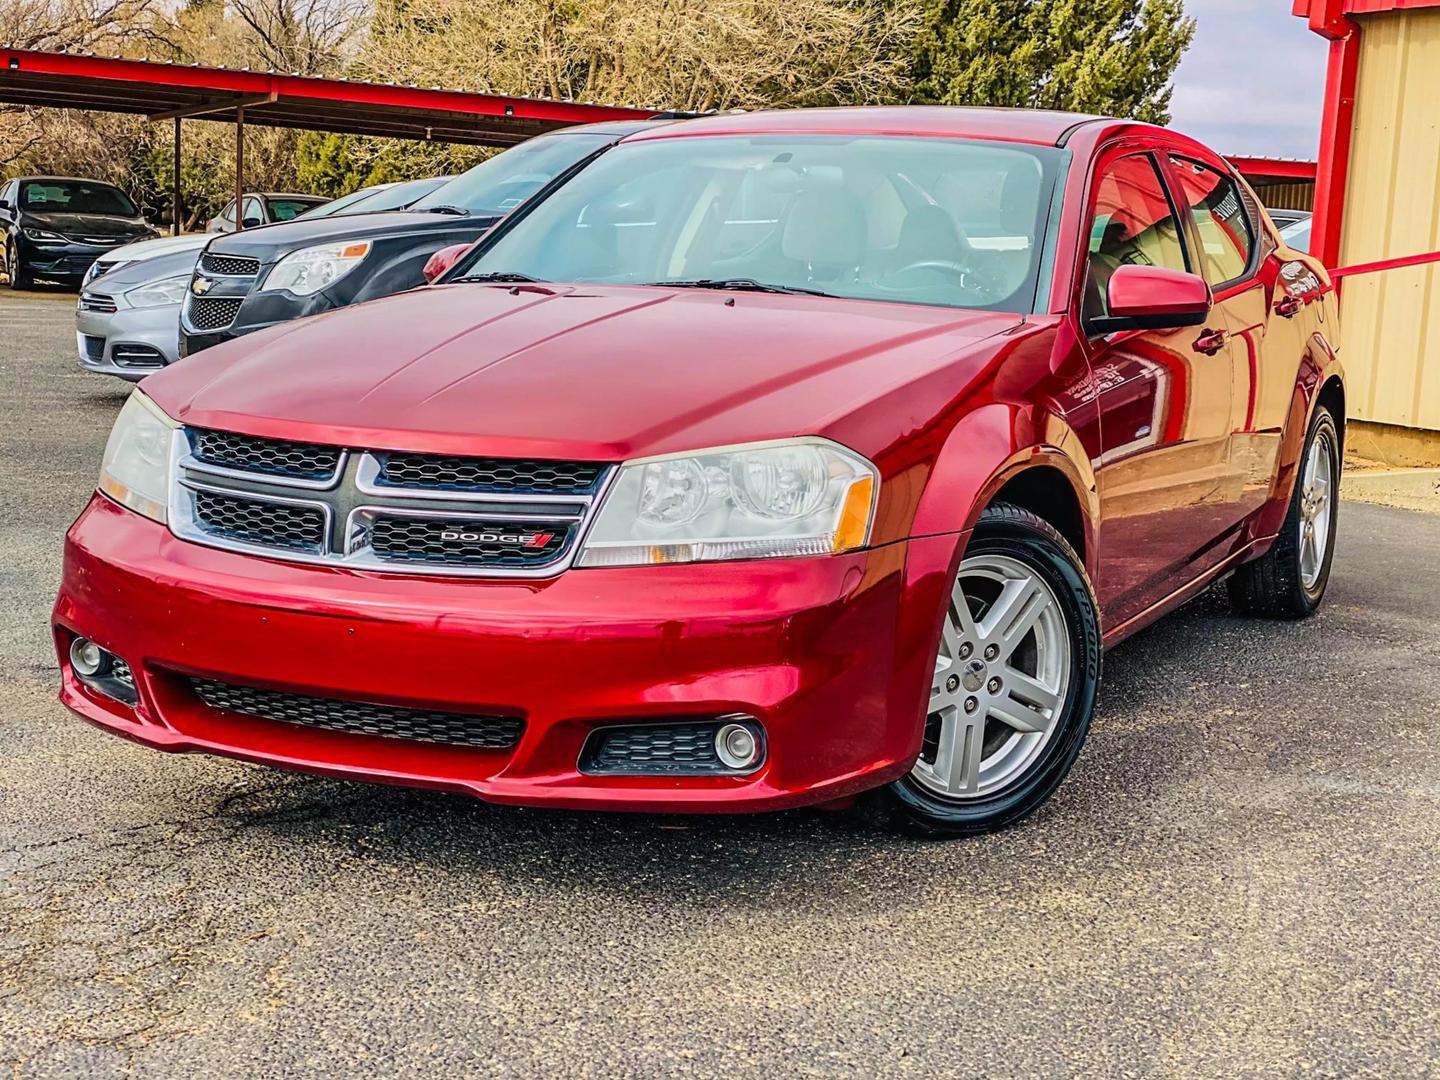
(64, 179)
(1034, 126)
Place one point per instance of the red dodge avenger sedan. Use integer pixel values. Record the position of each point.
(769, 460)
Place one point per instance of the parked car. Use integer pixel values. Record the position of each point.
(1297, 233)
(54, 227)
(394, 196)
(774, 459)
(127, 323)
(247, 281)
(1284, 218)
(264, 208)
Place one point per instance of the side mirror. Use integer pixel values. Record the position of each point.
(252, 223)
(1153, 298)
(442, 261)
(5, 205)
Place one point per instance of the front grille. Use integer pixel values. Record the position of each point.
(651, 749)
(363, 718)
(501, 475)
(229, 265)
(206, 313)
(94, 347)
(253, 521)
(468, 543)
(100, 241)
(137, 356)
(273, 457)
(98, 303)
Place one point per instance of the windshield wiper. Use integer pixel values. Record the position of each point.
(445, 208)
(502, 275)
(742, 284)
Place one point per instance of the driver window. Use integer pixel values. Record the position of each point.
(1134, 224)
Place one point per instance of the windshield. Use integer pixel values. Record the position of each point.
(920, 220)
(1297, 234)
(501, 183)
(75, 197)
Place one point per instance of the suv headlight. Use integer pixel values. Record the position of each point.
(136, 468)
(762, 501)
(159, 293)
(311, 269)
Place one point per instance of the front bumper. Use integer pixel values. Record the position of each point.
(129, 343)
(257, 311)
(68, 262)
(833, 656)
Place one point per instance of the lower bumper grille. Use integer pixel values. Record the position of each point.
(94, 347)
(206, 314)
(657, 749)
(137, 356)
(362, 718)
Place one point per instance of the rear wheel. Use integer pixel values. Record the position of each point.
(1014, 686)
(1289, 580)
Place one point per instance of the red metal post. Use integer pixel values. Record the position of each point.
(1336, 135)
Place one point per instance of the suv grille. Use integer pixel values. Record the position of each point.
(229, 265)
(362, 718)
(255, 521)
(205, 313)
(273, 457)
(468, 543)
(488, 474)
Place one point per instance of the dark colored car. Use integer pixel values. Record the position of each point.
(265, 208)
(247, 281)
(771, 460)
(56, 226)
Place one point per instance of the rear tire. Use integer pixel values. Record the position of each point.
(1289, 580)
(1015, 684)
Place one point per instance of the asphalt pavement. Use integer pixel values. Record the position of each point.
(1238, 880)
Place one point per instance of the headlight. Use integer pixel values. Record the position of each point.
(767, 500)
(159, 293)
(137, 465)
(311, 269)
(41, 234)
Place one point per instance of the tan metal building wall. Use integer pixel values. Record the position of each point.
(1391, 320)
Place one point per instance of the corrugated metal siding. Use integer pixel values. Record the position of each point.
(1298, 195)
(1391, 320)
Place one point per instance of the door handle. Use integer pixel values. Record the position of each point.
(1211, 342)
(1288, 307)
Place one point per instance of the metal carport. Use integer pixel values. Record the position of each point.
(164, 91)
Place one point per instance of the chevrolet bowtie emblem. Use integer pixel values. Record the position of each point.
(200, 286)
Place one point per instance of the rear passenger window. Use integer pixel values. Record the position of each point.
(1133, 224)
(1227, 235)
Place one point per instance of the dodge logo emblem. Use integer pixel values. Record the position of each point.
(487, 536)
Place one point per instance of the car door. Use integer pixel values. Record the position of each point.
(1226, 239)
(1164, 401)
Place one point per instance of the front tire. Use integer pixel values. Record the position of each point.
(1015, 683)
(1289, 580)
(18, 276)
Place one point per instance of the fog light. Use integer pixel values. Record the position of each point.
(87, 658)
(737, 746)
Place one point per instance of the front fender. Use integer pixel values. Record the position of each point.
(989, 447)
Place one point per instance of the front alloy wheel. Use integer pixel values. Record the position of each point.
(1014, 686)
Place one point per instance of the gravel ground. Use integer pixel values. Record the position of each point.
(1240, 878)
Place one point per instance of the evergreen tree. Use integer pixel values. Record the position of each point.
(1112, 57)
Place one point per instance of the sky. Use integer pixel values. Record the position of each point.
(1253, 82)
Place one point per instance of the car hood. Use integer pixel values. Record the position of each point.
(150, 249)
(270, 241)
(135, 273)
(86, 224)
(582, 372)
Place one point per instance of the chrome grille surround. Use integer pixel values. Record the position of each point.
(229, 265)
(387, 529)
